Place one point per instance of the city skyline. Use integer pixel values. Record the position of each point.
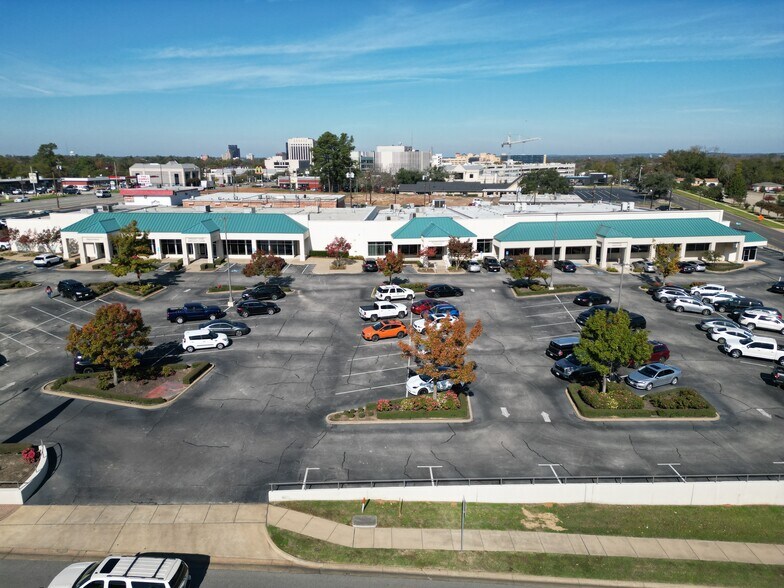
(446, 76)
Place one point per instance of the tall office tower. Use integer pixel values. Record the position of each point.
(299, 149)
(234, 152)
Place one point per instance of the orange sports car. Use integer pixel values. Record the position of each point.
(385, 329)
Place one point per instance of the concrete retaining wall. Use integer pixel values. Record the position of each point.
(661, 493)
(25, 490)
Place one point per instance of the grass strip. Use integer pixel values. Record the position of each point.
(752, 524)
(537, 564)
(731, 209)
(13, 448)
(224, 288)
(107, 395)
(543, 290)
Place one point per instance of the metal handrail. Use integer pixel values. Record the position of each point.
(500, 481)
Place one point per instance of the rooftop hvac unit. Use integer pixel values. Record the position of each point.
(439, 203)
(105, 207)
(627, 206)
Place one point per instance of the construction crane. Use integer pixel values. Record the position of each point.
(509, 142)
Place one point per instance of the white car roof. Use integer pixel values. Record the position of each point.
(196, 332)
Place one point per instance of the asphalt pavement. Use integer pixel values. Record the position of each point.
(259, 416)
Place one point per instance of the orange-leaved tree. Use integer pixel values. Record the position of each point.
(114, 337)
(264, 264)
(441, 350)
(391, 264)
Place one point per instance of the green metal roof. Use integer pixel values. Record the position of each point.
(752, 237)
(659, 228)
(432, 226)
(187, 223)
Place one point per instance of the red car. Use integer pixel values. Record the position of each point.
(420, 306)
(660, 353)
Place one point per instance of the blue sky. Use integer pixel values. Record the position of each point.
(189, 77)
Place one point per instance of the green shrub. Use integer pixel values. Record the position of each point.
(617, 397)
(69, 264)
(101, 266)
(197, 369)
(723, 266)
(176, 265)
(142, 289)
(612, 270)
(207, 266)
(317, 253)
(102, 287)
(678, 399)
(12, 284)
(536, 287)
(168, 371)
(105, 381)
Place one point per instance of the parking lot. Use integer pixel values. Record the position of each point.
(259, 416)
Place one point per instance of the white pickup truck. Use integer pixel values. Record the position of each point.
(759, 347)
(379, 310)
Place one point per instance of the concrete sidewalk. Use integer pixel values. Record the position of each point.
(228, 533)
(523, 542)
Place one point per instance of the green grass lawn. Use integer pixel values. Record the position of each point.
(537, 564)
(708, 203)
(755, 524)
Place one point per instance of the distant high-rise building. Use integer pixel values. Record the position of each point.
(391, 158)
(234, 152)
(299, 149)
(249, 157)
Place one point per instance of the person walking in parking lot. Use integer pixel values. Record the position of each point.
(48, 291)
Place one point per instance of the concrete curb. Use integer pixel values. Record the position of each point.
(136, 297)
(384, 422)
(126, 404)
(653, 419)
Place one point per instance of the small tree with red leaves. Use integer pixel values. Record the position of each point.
(339, 249)
(264, 264)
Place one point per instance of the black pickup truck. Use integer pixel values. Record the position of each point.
(193, 311)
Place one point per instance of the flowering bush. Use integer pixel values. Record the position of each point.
(448, 401)
(30, 455)
(383, 405)
(616, 397)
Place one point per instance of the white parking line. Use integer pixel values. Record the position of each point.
(555, 336)
(375, 343)
(371, 357)
(541, 314)
(532, 306)
(8, 385)
(188, 290)
(552, 324)
(58, 299)
(402, 367)
(755, 363)
(54, 316)
(17, 341)
(368, 389)
(566, 309)
(764, 413)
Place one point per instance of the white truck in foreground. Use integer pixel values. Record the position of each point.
(379, 310)
(759, 347)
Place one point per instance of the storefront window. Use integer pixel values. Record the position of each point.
(379, 248)
(484, 245)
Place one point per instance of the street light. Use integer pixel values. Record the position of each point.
(228, 270)
(555, 238)
(350, 176)
(620, 288)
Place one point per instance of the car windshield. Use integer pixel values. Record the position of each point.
(746, 341)
(648, 371)
(85, 576)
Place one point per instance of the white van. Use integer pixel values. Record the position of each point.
(203, 339)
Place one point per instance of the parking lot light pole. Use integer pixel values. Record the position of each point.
(620, 288)
(228, 267)
(555, 239)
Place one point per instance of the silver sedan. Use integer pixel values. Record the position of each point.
(653, 375)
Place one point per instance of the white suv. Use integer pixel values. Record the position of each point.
(759, 320)
(707, 289)
(394, 293)
(203, 339)
(718, 297)
(46, 259)
(125, 572)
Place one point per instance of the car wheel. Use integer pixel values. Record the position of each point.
(180, 320)
(722, 340)
(244, 314)
(88, 370)
(189, 349)
(735, 353)
(374, 317)
(220, 346)
(649, 387)
(274, 297)
(401, 314)
(722, 309)
(706, 312)
(674, 381)
(751, 326)
(423, 391)
(238, 333)
(780, 361)
(374, 338)
(678, 309)
(401, 334)
(213, 316)
(270, 311)
(781, 331)
(388, 299)
(410, 297)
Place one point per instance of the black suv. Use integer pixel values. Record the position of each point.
(778, 287)
(74, 290)
(737, 305)
(85, 365)
(250, 306)
(569, 368)
(491, 264)
(70, 190)
(565, 266)
(442, 291)
(370, 265)
(636, 321)
(591, 299)
(264, 292)
(561, 347)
